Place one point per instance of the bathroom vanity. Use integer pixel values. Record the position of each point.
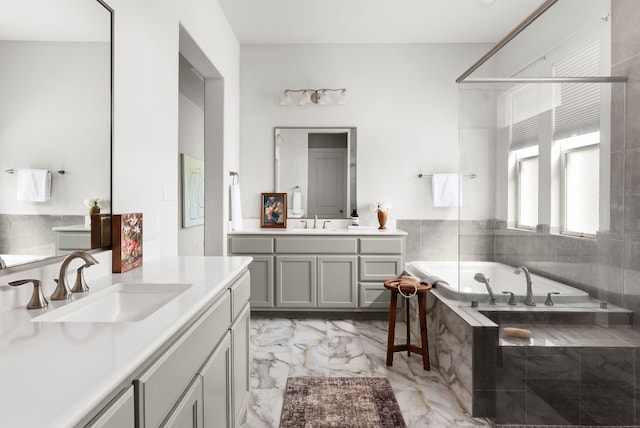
(174, 353)
(320, 270)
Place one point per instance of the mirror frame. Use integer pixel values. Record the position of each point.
(58, 258)
(352, 167)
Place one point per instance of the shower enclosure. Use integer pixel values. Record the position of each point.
(547, 124)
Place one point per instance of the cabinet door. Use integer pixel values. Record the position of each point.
(296, 281)
(118, 414)
(337, 283)
(374, 296)
(216, 386)
(188, 411)
(261, 269)
(240, 366)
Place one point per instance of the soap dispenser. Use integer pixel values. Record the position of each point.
(355, 219)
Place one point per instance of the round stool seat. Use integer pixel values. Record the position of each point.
(408, 287)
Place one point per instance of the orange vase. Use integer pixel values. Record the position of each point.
(95, 209)
(382, 219)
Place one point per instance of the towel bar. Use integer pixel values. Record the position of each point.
(472, 176)
(13, 171)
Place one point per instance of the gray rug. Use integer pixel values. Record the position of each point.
(344, 402)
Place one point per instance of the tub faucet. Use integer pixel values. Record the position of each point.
(62, 291)
(528, 300)
(480, 277)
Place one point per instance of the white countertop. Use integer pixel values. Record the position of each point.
(361, 231)
(52, 374)
(72, 228)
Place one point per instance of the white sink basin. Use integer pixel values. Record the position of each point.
(118, 303)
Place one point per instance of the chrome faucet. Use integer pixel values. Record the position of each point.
(62, 291)
(528, 300)
(480, 277)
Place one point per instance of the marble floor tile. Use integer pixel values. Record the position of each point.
(281, 348)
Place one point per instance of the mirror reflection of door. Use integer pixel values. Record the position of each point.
(327, 175)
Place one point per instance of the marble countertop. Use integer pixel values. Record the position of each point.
(52, 374)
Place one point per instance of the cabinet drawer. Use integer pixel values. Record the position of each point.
(240, 293)
(160, 387)
(381, 245)
(308, 245)
(373, 296)
(251, 245)
(380, 268)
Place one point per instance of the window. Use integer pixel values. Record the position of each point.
(581, 183)
(527, 188)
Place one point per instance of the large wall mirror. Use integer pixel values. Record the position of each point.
(320, 165)
(55, 115)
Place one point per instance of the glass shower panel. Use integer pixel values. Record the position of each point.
(571, 246)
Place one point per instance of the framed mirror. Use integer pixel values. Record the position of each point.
(56, 119)
(316, 167)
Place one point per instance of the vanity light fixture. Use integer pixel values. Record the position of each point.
(313, 96)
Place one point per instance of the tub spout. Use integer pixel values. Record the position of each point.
(480, 277)
(528, 300)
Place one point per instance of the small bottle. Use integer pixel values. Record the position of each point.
(355, 220)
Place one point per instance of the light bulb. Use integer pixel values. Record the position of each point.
(286, 100)
(343, 98)
(305, 99)
(324, 98)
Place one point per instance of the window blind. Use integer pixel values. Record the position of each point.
(579, 109)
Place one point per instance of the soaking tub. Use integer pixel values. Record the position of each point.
(501, 278)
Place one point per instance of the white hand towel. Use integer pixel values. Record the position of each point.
(297, 201)
(446, 190)
(34, 185)
(236, 209)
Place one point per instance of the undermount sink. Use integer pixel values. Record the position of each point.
(118, 303)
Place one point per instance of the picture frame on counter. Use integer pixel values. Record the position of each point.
(126, 242)
(273, 211)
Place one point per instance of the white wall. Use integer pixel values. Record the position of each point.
(403, 100)
(146, 104)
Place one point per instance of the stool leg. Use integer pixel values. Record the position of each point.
(422, 302)
(408, 321)
(392, 326)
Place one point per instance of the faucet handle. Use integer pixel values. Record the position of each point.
(324, 223)
(37, 300)
(549, 302)
(80, 285)
(306, 223)
(512, 298)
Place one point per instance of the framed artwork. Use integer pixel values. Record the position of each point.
(192, 191)
(273, 210)
(126, 242)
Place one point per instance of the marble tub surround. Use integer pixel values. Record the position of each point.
(356, 348)
(569, 375)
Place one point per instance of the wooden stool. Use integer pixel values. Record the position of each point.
(408, 287)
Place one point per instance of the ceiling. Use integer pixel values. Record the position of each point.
(375, 21)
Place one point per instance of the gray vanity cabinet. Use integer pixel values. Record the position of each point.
(188, 411)
(380, 259)
(202, 379)
(216, 384)
(120, 413)
(296, 285)
(240, 366)
(260, 248)
(320, 272)
(337, 281)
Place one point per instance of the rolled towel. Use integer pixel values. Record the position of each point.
(517, 332)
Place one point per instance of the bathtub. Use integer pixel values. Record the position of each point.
(501, 278)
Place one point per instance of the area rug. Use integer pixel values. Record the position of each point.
(344, 402)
